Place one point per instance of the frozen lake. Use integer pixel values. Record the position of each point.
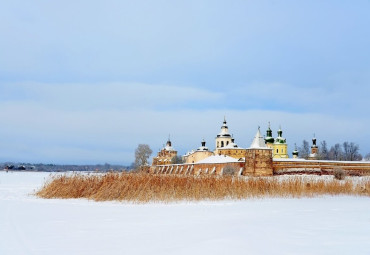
(325, 225)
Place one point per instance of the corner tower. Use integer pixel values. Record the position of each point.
(258, 158)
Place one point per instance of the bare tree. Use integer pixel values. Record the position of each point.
(177, 160)
(324, 153)
(367, 157)
(336, 152)
(350, 151)
(142, 154)
(304, 150)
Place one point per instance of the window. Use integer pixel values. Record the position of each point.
(277, 150)
(222, 143)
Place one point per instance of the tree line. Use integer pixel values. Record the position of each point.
(347, 151)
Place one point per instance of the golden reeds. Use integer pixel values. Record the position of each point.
(144, 188)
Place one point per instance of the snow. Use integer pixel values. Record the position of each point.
(319, 161)
(258, 141)
(30, 225)
(217, 159)
(169, 148)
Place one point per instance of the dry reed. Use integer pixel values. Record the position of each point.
(143, 188)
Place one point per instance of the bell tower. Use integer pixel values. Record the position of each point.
(314, 149)
(223, 138)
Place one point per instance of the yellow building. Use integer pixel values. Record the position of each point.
(232, 150)
(225, 144)
(201, 153)
(278, 145)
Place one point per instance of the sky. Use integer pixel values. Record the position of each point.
(85, 82)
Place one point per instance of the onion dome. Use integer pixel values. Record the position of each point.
(295, 152)
(280, 138)
(169, 145)
(314, 142)
(269, 138)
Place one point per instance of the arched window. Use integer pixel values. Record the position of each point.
(277, 150)
(227, 143)
(222, 144)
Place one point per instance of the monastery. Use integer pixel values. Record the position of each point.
(266, 156)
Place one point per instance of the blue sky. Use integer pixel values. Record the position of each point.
(86, 81)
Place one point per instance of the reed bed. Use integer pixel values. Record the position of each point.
(144, 188)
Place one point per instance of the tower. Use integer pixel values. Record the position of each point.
(269, 140)
(295, 152)
(280, 147)
(223, 138)
(314, 149)
(165, 155)
(258, 158)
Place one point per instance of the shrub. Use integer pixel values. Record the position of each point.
(339, 174)
(229, 170)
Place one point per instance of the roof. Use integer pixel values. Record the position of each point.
(217, 159)
(258, 141)
(169, 148)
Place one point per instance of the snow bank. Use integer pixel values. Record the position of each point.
(29, 225)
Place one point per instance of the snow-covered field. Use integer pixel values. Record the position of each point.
(29, 225)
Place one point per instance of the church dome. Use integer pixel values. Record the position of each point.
(224, 130)
(269, 138)
(280, 138)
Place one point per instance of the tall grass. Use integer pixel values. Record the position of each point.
(144, 188)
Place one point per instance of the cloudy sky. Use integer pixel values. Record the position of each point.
(87, 81)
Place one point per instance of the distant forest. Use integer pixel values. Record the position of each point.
(62, 168)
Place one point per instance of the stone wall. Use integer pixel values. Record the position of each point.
(196, 169)
(258, 162)
(320, 166)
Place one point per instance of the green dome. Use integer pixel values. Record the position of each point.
(269, 140)
(280, 140)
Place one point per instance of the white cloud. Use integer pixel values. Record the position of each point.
(35, 132)
(107, 95)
